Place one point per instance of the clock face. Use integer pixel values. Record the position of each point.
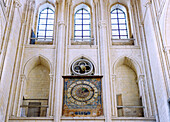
(82, 93)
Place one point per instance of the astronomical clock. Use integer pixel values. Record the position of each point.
(82, 91)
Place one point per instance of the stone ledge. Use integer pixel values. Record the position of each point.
(134, 118)
(124, 47)
(31, 118)
(82, 46)
(40, 46)
(83, 118)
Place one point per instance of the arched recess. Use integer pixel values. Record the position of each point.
(129, 61)
(128, 88)
(36, 89)
(34, 61)
(84, 57)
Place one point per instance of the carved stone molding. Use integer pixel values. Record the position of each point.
(17, 3)
(61, 23)
(102, 24)
(141, 78)
(113, 78)
(23, 77)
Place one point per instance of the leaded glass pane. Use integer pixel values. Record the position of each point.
(87, 16)
(78, 22)
(86, 21)
(51, 16)
(86, 27)
(44, 11)
(43, 16)
(49, 33)
(86, 33)
(41, 33)
(50, 21)
(78, 33)
(78, 16)
(42, 27)
(115, 33)
(42, 21)
(78, 27)
(115, 27)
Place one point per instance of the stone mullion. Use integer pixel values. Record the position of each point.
(60, 62)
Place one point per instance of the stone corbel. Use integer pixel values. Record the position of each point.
(17, 4)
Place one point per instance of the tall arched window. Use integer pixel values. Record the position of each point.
(82, 22)
(119, 22)
(45, 24)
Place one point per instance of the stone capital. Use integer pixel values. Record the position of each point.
(148, 3)
(17, 3)
(23, 77)
(141, 78)
(113, 77)
(102, 24)
(61, 23)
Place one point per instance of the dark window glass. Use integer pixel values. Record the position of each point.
(45, 23)
(82, 24)
(119, 24)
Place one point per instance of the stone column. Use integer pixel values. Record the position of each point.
(50, 101)
(105, 63)
(60, 59)
(21, 89)
(113, 93)
(18, 59)
(142, 93)
(5, 42)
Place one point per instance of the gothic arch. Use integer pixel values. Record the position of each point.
(39, 8)
(129, 61)
(34, 61)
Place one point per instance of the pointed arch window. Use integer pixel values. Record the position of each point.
(45, 24)
(119, 22)
(82, 22)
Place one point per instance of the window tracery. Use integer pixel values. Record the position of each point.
(119, 22)
(82, 67)
(45, 24)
